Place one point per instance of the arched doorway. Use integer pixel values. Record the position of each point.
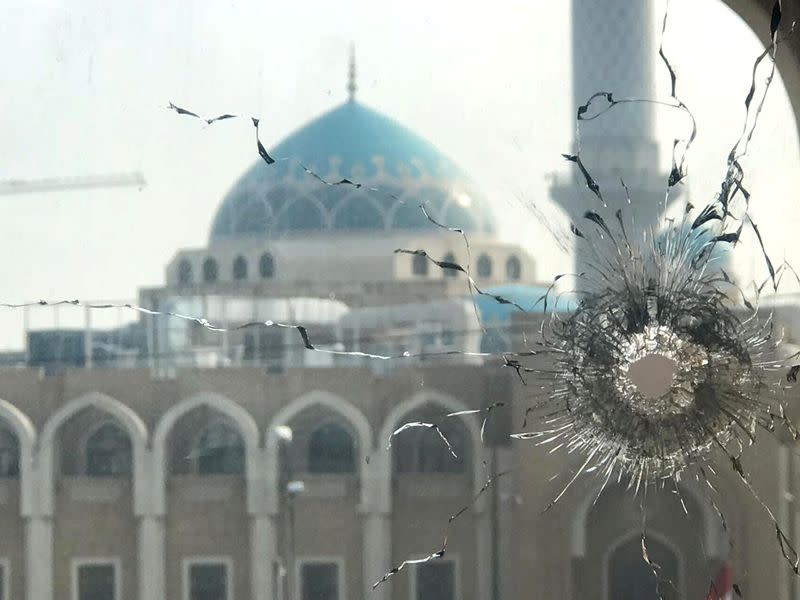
(684, 537)
(631, 578)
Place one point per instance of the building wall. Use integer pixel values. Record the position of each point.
(215, 515)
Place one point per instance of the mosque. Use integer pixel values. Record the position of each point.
(167, 461)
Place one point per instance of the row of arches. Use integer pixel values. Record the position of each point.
(332, 436)
(421, 266)
(337, 209)
(240, 269)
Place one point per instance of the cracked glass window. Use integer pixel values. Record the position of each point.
(427, 300)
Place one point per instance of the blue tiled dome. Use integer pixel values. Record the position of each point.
(360, 144)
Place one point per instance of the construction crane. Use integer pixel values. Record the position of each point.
(58, 184)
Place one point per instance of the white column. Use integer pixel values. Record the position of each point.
(505, 518)
(483, 528)
(376, 506)
(39, 558)
(263, 553)
(377, 554)
(152, 558)
(783, 506)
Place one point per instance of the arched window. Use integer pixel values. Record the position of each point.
(450, 258)
(108, 452)
(513, 269)
(331, 450)
(421, 450)
(210, 270)
(219, 451)
(419, 265)
(185, 272)
(266, 266)
(484, 266)
(240, 268)
(9, 455)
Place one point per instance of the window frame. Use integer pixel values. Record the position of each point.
(186, 566)
(89, 561)
(337, 559)
(454, 559)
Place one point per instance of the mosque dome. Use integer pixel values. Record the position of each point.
(397, 170)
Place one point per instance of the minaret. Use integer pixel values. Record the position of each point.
(613, 51)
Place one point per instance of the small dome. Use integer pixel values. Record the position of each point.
(360, 144)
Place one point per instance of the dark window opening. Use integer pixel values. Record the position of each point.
(185, 272)
(210, 270)
(419, 265)
(240, 268)
(9, 455)
(208, 581)
(436, 581)
(421, 450)
(631, 578)
(108, 452)
(450, 258)
(220, 451)
(266, 266)
(513, 269)
(319, 581)
(448, 337)
(97, 582)
(484, 266)
(331, 450)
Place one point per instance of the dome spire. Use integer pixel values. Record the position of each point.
(351, 76)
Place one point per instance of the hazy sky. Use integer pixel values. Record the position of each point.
(86, 85)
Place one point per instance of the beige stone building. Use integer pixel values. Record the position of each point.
(164, 460)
